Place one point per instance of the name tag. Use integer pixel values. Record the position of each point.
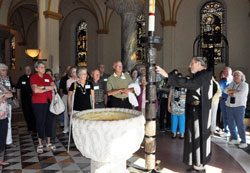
(7, 84)
(96, 87)
(105, 79)
(123, 77)
(24, 82)
(87, 86)
(46, 80)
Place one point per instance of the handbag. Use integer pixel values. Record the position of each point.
(15, 103)
(56, 106)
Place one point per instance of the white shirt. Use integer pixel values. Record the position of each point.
(240, 96)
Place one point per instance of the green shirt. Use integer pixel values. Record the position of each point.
(118, 82)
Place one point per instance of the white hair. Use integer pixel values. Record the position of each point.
(3, 66)
(243, 77)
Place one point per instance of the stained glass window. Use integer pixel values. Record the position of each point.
(12, 53)
(212, 25)
(81, 44)
(141, 32)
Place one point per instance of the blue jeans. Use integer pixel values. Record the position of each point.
(224, 114)
(236, 116)
(178, 119)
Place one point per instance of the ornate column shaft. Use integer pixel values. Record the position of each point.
(128, 10)
(129, 40)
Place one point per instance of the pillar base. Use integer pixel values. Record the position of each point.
(108, 167)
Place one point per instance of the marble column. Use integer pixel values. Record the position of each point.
(128, 10)
(48, 35)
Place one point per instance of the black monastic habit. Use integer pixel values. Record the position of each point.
(197, 143)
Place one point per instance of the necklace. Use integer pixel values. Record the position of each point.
(83, 90)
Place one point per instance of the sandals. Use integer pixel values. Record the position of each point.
(39, 149)
(52, 147)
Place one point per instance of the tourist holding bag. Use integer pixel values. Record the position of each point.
(4, 113)
(42, 86)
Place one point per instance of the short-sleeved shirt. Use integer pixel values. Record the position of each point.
(118, 82)
(82, 96)
(63, 83)
(6, 83)
(223, 84)
(24, 85)
(178, 103)
(100, 90)
(104, 77)
(41, 81)
(69, 82)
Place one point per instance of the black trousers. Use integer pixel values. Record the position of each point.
(44, 119)
(3, 132)
(28, 113)
(165, 116)
(119, 103)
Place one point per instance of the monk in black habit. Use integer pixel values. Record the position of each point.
(197, 143)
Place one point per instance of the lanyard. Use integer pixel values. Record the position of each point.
(236, 87)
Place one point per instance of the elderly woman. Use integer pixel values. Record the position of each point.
(4, 113)
(236, 105)
(42, 86)
(6, 82)
(84, 92)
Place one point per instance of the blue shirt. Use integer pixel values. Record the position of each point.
(223, 84)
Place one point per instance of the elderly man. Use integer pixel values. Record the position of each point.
(197, 144)
(100, 89)
(24, 95)
(104, 76)
(117, 87)
(224, 82)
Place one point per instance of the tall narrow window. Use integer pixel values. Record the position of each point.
(12, 53)
(141, 32)
(81, 44)
(212, 25)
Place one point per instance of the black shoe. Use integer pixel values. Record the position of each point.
(174, 136)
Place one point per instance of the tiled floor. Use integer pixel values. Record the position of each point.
(24, 157)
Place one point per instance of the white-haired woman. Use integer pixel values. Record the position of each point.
(6, 82)
(236, 105)
(42, 86)
(84, 90)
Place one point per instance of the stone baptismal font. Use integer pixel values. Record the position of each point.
(108, 137)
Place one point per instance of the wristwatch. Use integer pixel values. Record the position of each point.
(44, 87)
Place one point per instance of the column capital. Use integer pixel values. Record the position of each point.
(126, 6)
(102, 31)
(52, 15)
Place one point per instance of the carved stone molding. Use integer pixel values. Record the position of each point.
(52, 15)
(173, 7)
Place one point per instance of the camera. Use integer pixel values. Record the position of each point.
(48, 100)
(232, 100)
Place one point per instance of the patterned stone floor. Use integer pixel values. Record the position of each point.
(25, 159)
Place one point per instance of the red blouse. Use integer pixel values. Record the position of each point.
(41, 81)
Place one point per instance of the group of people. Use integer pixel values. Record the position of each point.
(189, 100)
(202, 97)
